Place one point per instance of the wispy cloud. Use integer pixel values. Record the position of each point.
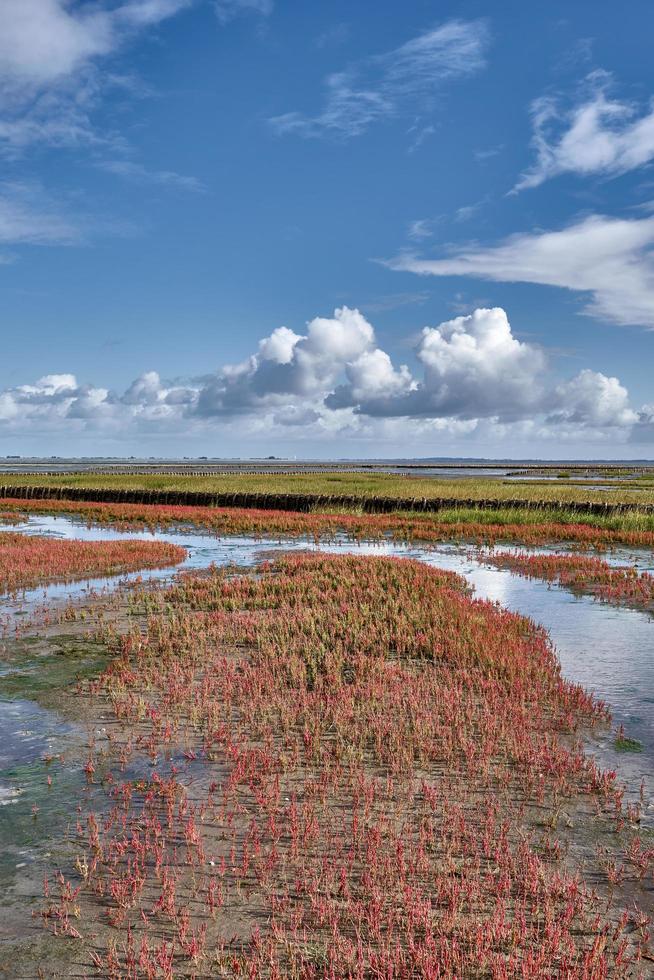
(349, 112)
(395, 301)
(54, 67)
(29, 217)
(596, 136)
(382, 86)
(334, 35)
(44, 41)
(139, 174)
(489, 153)
(577, 55)
(419, 134)
(611, 259)
(56, 72)
(227, 10)
(469, 211)
(420, 229)
(61, 116)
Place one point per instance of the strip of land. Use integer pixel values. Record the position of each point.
(621, 585)
(27, 561)
(320, 489)
(449, 524)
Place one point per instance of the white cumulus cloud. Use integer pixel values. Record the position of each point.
(289, 365)
(473, 367)
(474, 379)
(592, 398)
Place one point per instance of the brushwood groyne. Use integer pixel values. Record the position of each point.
(305, 502)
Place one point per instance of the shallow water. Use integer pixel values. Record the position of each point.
(608, 650)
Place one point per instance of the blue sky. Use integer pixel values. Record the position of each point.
(255, 226)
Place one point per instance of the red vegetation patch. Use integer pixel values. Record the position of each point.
(357, 772)
(621, 585)
(28, 561)
(234, 520)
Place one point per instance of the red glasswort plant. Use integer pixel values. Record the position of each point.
(234, 520)
(620, 585)
(27, 561)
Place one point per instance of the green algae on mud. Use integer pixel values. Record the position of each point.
(43, 737)
(41, 788)
(41, 669)
(624, 744)
(21, 958)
